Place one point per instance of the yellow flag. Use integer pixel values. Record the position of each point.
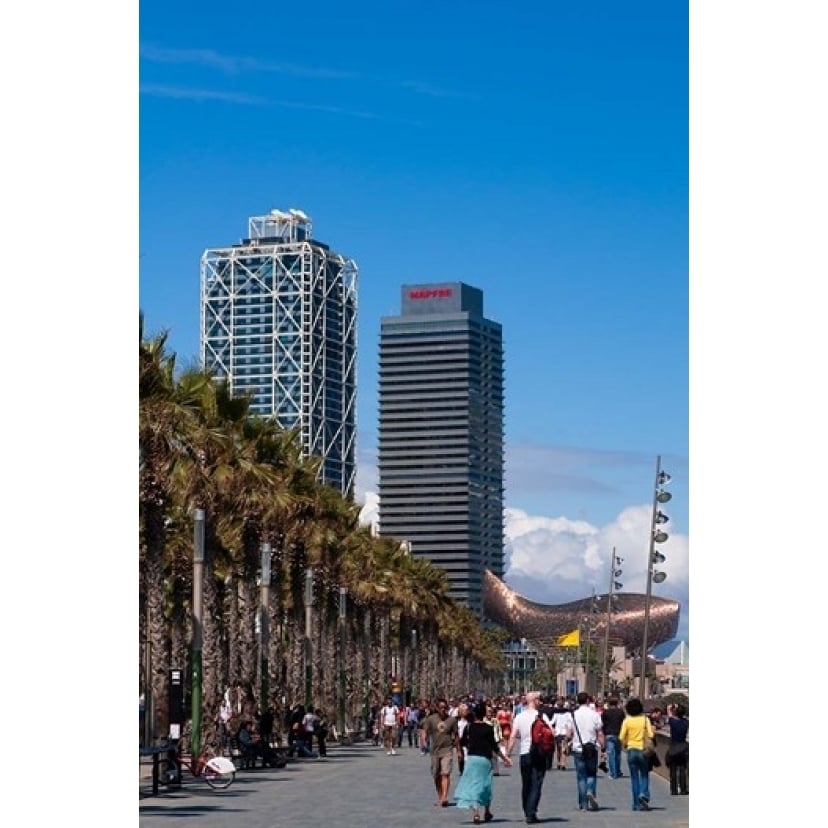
(572, 639)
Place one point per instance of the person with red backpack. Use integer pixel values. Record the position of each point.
(543, 737)
(532, 763)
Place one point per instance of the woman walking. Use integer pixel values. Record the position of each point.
(491, 719)
(633, 730)
(678, 754)
(474, 790)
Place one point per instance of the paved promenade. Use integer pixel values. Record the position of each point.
(361, 787)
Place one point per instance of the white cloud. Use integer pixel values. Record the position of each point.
(369, 514)
(556, 560)
(560, 560)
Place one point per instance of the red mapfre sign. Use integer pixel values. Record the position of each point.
(433, 293)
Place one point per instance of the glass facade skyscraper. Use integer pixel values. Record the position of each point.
(278, 323)
(441, 433)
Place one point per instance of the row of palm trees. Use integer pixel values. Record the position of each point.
(201, 449)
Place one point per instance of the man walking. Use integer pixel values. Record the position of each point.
(532, 770)
(611, 717)
(562, 724)
(587, 741)
(412, 722)
(388, 718)
(441, 731)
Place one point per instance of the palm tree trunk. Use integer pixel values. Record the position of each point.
(231, 615)
(366, 665)
(248, 606)
(248, 647)
(157, 629)
(384, 652)
(213, 662)
(179, 624)
(353, 703)
(297, 663)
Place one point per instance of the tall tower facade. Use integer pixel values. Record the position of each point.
(441, 433)
(278, 324)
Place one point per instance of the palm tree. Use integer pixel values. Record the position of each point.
(200, 448)
(168, 420)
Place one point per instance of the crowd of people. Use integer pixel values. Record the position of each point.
(479, 736)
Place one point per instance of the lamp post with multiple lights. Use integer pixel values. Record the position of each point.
(657, 535)
(615, 572)
(588, 624)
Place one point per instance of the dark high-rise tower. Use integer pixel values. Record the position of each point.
(441, 433)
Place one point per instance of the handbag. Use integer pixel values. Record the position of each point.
(677, 753)
(649, 742)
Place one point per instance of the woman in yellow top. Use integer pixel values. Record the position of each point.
(633, 729)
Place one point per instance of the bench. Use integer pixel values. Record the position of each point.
(348, 737)
(245, 760)
(156, 752)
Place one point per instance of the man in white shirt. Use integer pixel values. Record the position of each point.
(309, 724)
(562, 723)
(587, 743)
(532, 772)
(388, 717)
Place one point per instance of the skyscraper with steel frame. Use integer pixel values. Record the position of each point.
(278, 323)
(441, 433)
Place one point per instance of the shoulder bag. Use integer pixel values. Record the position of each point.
(649, 742)
(649, 747)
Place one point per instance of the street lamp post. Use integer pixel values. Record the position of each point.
(657, 535)
(593, 608)
(343, 597)
(576, 658)
(308, 642)
(195, 663)
(413, 666)
(264, 627)
(615, 572)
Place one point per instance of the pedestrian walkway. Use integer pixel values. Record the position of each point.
(359, 786)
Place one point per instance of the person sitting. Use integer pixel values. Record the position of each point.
(247, 746)
(296, 729)
(252, 747)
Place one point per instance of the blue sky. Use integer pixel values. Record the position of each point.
(539, 153)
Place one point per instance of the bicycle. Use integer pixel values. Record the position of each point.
(217, 771)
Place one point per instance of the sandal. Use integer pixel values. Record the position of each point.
(476, 820)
